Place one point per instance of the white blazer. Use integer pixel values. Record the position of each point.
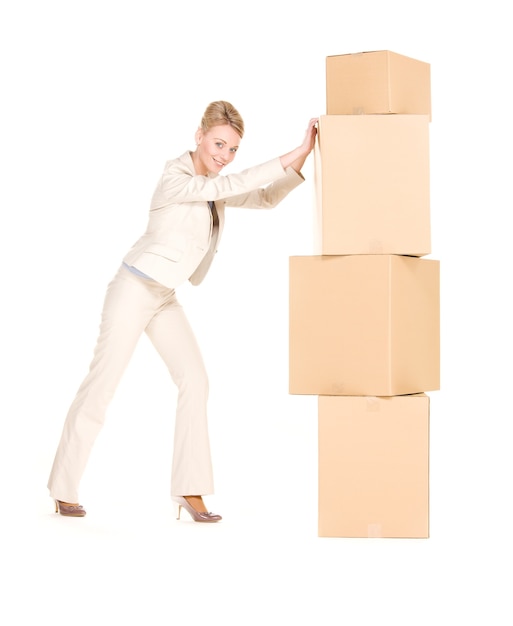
(176, 244)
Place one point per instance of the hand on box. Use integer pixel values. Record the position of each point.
(297, 157)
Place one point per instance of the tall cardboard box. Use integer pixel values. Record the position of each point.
(378, 81)
(363, 325)
(373, 466)
(372, 185)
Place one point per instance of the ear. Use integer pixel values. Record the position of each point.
(198, 136)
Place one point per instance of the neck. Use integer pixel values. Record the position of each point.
(199, 168)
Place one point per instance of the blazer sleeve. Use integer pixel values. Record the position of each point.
(178, 184)
(267, 197)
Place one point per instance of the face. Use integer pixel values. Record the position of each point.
(216, 148)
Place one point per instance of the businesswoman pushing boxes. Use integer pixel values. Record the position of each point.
(184, 229)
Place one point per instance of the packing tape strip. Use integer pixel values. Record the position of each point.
(374, 530)
(372, 404)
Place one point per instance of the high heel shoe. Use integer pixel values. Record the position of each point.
(69, 510)
(197, 516)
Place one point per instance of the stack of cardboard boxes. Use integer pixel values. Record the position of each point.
(365, 308)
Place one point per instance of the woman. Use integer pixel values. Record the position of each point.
(185, 224)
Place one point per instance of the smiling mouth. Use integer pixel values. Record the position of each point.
(218, 162)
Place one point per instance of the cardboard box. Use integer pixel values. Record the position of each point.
(373, 466)
(377, 82)
(372, 185)
(364, 325)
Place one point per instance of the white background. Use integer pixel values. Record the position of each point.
(96, 96)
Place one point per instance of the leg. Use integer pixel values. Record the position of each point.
(174, 339)
(127, 310)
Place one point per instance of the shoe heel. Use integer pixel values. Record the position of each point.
(56, 506)
(178, 509)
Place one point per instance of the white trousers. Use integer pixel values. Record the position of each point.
(134, 305)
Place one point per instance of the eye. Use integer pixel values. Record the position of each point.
(219, 144)
(233, 149)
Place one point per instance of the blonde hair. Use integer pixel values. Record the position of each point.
(219, 113)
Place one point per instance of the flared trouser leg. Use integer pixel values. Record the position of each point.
(133, 305)
(174, 340)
